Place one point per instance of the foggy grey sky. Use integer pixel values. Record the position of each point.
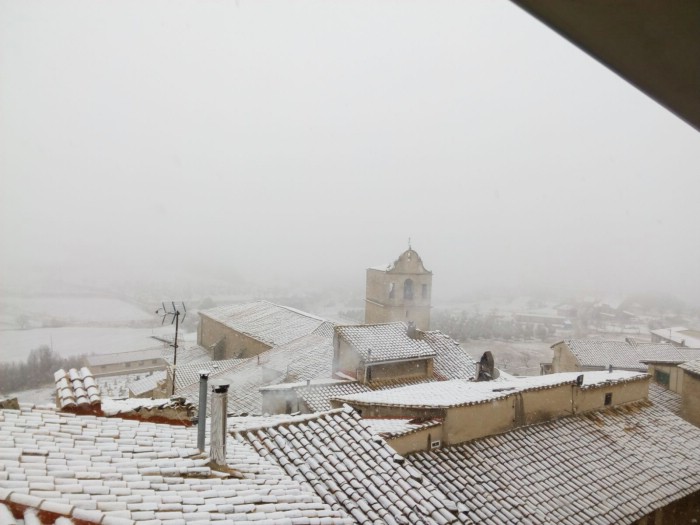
(305, 141)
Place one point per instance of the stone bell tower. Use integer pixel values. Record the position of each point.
(399, 291)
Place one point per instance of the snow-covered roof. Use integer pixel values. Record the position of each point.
(609, 467)
(146, 354)
(679, 335)
(308, 357)
(396, 427)
(267, 322)
(692, 367)
(451, 361)
(620, 354)
(458, 392)
(665, 397)
(76, 388)
(186, 353)
(385, 342)
(118, 472)
(188, 374)
(337, 455)
(147, 383)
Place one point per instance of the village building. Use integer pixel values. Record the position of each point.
(246, 330)
(400, 291)
(690, 407)
(677, 336)
(305, 358)
(404, 355)
(381, 351)
(577, 355)
(471, 410)
(122, 363)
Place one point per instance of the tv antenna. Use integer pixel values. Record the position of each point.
(174, 314)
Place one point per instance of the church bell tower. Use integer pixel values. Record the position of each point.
(399, 291)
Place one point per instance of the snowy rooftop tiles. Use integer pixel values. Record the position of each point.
(337, 455)
(142, 472)
(138, 356)
(447, 394)
(664, 397)
(308, 357)
(395, 427)
(620, 354)
(692, 367)
(385, 342)
(76, 388)
(609, 467)
(267, 322)
(146, 383)
(188, 374)
(451, 360)
(679, 335)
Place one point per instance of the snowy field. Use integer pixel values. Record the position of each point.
(72, 310)
(15, 345)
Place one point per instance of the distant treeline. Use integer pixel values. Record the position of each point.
(463, 326)
(36, 371)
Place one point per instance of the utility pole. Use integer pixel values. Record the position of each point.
(175, 314)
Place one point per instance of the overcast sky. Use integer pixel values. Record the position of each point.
(304, 141)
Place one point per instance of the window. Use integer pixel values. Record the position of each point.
(608, 399)
(408, 289)
(154, 361)
(391, 290)
(424, 291)
(141, 363)
(128, 365)
(662, 377)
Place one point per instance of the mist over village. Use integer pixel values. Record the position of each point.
(349, 263)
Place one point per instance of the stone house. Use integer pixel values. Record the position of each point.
(374, 352)
(122, 363)
(471, 410)
(690, 395)
(578, 355)
(246, 330)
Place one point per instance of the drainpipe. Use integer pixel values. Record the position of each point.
(202, 412)
(217, 439)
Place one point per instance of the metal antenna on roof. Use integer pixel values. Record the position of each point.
(175, 313)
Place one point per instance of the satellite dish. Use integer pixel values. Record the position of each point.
(487, 367)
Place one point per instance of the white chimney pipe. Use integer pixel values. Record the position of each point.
(219, 406)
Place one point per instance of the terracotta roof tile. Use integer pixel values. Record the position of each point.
(98, 469)
(385, 342)
(337, 455)
(608, 467)
(270, 323)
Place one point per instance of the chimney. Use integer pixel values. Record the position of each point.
(411, 330)
(202, 412)
(217, 439)
(610, 369)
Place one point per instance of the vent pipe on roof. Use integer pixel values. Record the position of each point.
(202, 411)
(610, 369)
(217, 439)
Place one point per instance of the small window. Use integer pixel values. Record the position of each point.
(391, 291)
(662, 378)
(408, 289)
(424, 291)
(141, 363)
(154, 361)
(608, 399)
(128, 365)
